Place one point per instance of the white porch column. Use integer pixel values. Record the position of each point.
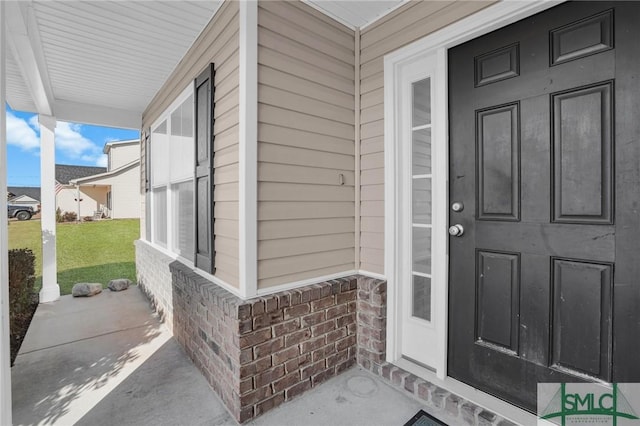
(5, 354)
(50, 289)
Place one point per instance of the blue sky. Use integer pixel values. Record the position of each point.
(78, 144)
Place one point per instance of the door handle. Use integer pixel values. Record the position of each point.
(456, 230)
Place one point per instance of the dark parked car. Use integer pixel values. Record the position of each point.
(20, 212)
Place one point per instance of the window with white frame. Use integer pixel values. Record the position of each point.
(172, 178)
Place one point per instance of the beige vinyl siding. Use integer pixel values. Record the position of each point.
(306, 219)
(403, 26)
(218, 43)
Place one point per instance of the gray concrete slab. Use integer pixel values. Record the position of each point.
(122, 367)
(356, 397)
(134, 376)
(75, 318)
(166, 390)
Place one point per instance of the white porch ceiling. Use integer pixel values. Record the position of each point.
(101, 62)
(18, 94)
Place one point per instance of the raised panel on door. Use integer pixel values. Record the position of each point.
(498, 157)
(498, 300)
(582, 141)
(581, 310)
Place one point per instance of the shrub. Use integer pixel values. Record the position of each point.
(21, 284)
(69, 217)
(58, 215)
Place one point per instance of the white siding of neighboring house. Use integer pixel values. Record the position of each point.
(408, 23)
(24, 200)
(218, 43)
(123, 154)
(306, 220)
(92, 200)
(125, 193)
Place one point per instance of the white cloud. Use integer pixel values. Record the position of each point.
(33, 122)
(74, 145)
(20, 134)
(69, 139)
(102, 161)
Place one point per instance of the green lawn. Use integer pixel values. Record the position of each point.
(87, 252)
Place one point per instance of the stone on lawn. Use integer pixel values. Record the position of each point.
(119, 284)
(86, 289)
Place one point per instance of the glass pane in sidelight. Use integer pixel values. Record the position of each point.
(421, 152)
(421, 102)
(421, 297)
(421, 201)
(422, 250)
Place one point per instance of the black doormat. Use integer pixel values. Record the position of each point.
(424, 419)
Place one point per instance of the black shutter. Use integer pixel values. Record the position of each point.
(204, 242)
(146, 158)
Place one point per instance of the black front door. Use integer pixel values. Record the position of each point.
(545, 157)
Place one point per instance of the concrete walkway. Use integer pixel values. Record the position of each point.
(107, 360)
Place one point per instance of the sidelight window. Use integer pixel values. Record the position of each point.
(421, 198)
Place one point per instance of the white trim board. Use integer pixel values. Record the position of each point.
(248, 150)
(473, 26)
(297, 284)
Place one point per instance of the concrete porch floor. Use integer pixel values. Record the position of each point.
(108, 360)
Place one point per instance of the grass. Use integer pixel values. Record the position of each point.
(87, 252)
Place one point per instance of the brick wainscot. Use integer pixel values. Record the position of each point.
(259, 353)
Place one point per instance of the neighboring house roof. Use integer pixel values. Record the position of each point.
(29, 191)
(65, 173)
(108, 145)
(105, 175)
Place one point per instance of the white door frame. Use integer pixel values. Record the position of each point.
(480, 23)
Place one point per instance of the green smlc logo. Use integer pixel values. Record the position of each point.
(588, 407)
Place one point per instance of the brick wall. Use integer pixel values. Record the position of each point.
(154, 279)
(256, 354)
(205, 324)
(259, 353)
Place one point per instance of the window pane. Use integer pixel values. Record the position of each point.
(187, 117)
(162, 128)
(147, 217)
(421, 201)
(422, 102)
(159, 147)
(422, 297)
(422, 250)
(160, 216)
(182, 198)
(181, 143)
(176, 122)
(421, 158)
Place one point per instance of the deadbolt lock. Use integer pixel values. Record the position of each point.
(457, 206)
